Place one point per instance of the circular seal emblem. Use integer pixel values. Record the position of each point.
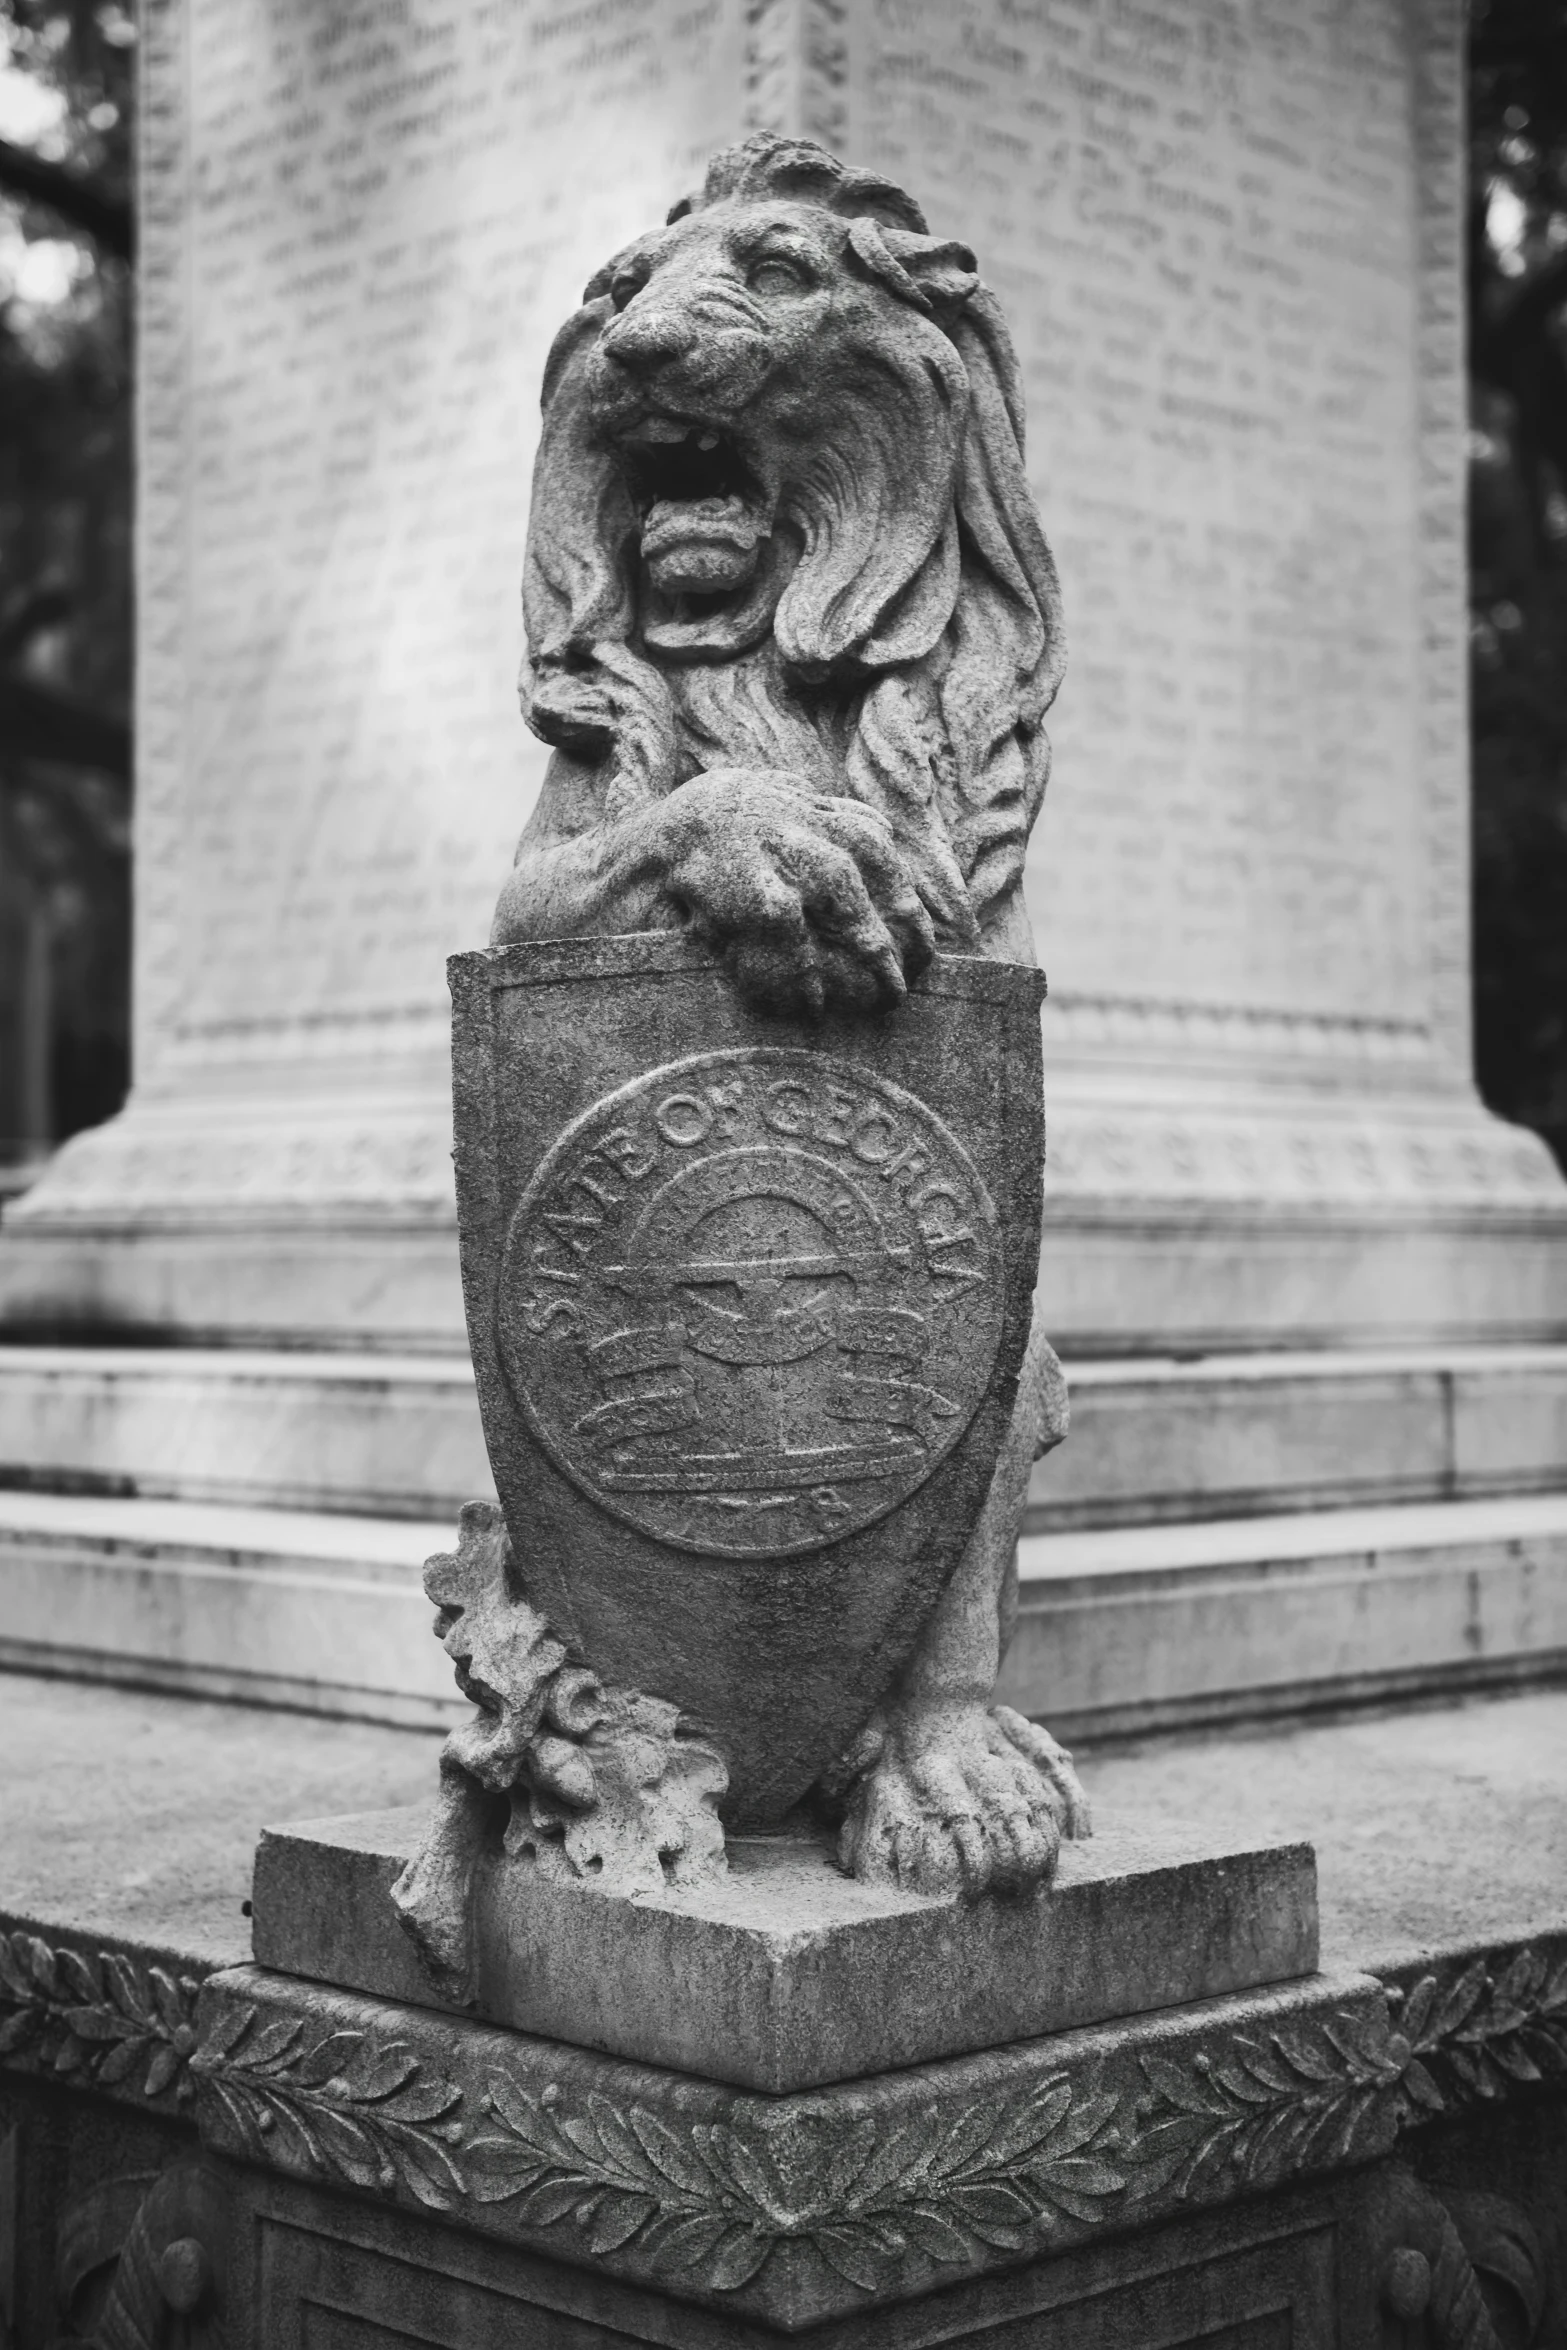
(750, 1301)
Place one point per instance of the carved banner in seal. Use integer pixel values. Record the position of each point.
(747, 1301)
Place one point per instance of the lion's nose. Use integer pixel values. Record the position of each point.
(644, 339)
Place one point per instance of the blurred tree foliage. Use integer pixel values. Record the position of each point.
(66, 124)
(1518, 553)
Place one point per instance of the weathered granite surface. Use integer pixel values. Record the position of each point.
(747, 1320)
(1262, 1121)
(793, 626)
(1406, 1592)
(1478, 1787)
(853, 2203)
(1284, 2161)
(1128, 1629)
(752, 1323)
(783, 1973)
(1154, 1437)
(800, 2208)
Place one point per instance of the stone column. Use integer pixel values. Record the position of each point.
(1231, 248)
(361, 228)
(1233, 244)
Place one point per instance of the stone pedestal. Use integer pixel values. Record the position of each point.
(1231, 253)
(785, 1974)
(666, 2199)
(837, 2094)
(349, 2172)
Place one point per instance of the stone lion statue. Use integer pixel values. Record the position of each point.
(793, 630)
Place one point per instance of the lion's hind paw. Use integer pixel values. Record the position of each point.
(963, 1805)
(1054, 1764)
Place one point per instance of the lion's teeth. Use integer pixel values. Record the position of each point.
(707, 440)
(663, 428)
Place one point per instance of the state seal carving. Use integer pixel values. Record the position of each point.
(751, 1300)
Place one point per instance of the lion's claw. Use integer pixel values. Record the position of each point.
(1054, 1764)
(806, 896)
(970, 1803)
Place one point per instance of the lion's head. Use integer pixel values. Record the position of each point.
(780, 514)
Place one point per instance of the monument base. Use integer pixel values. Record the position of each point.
(1180, 1215)
(785, 1974)
(1218, 1538)
(318, 2170)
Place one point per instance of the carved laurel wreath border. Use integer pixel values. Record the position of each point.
(708, 2202)
(99, 2018)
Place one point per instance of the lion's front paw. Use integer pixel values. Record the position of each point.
(969, 1801)
(806, 897)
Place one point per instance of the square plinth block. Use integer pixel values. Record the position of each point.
(785, 1974)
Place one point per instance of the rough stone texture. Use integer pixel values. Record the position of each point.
(293, 1608)
(144, 1859)
(1146, 1627)
(1436, 1828)
(829, 2202)
(282, 2168)
(772, 1596)
(1262, 1122)
(783, 1973)
(1226, 1435)
(604, 1783)
(1457, 2227)
(1229, 1619)
(793, 626)
(1153, 1437)
(779, 1526)
(1476, 1789)
(793, 629)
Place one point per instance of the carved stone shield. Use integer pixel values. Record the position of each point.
(747, 1301)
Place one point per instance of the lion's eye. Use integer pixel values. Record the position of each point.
(626, 287)
(774, 275)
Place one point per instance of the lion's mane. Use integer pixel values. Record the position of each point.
(918, 644)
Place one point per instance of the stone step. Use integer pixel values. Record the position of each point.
(394, 1435)
(1136, 1628)
(1120, 1630)
(322, 1612)
(1152, 1438)
(1227, 1435)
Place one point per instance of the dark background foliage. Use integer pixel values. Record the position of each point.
(1518, 549)
(65, 562)
(65, 566)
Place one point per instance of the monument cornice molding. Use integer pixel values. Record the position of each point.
(177, 1165)
(797, 2208)
(180, 1167)
(801, 2207)
(150, 1169)
(1412, 1156)
(116, 2018)
(1079, 1019)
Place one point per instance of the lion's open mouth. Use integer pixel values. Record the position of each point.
(703, 513)
(670, 461)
